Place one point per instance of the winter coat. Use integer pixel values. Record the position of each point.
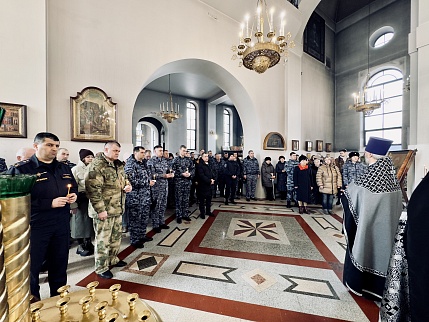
(302, 182)
(266, 171)
(351, 171)
(205, 175)
(281, 176)
(330, 178)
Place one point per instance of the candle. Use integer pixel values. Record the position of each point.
(272, 20)
(247, 26)
(259, 19)
(160, 109)
(163, 106)
(68, 188)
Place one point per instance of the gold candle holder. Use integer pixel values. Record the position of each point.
(62, 305)
(131, 299)
(144, 316)
(112, 317)
(100, 308)
(114, 289)
(85, 302)
(91, 288)
(35, 311)
(64, 290)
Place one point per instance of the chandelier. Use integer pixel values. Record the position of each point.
(368, 100)
(262, 53)
(171, 112)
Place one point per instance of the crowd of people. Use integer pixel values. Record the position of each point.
(101, 197)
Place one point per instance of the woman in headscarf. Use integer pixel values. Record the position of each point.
(302, 181)
(268, 176)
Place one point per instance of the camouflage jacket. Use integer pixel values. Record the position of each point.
(290, 166)
(181, 165)
(158, 168)
(104, 183)
(138, 174)
(351, 171)
(250, 166)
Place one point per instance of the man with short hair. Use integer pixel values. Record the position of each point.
(106, 184)
(55, 189)
(63, 156)
(232, 171)
(352, 169)
(205, 182)
(251, 174)
(290, 186)
(159, 171)
(148, 154)
(24, 153)
(138, 200)
(184, 170)
(372, 206)
(219, 166)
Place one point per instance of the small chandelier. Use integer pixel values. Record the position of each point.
(261, 54)
(170, 113)
(367, 101)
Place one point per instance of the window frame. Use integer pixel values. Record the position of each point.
(191, 143)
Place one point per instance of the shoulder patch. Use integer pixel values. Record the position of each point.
(20, 163)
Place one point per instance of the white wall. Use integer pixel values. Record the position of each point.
(23, 67)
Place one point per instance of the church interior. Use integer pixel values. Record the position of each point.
(170, 73)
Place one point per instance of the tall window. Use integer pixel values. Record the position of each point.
(386, 122)
(226, 128)
(191, 115)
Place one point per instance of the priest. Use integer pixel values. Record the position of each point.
(372, 207)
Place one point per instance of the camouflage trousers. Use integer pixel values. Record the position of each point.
(138, 218)
(251, 180)
(108, 235)
(159, 193)
(183, 189)
(291, 195)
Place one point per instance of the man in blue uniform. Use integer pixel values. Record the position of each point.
(251, 174)
(184, 170)
(55, 189)
(159, 171)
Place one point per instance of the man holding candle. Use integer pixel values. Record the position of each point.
(106, 184)
(55, 189)
(159, 171)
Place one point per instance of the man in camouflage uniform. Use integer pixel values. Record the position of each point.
(290, 165)
(138, 200)
(159, 172)
(106, 185)
(251, 174)
(184, 170)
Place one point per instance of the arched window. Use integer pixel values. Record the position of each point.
(191, 127)
(383, 39)
(385, 122)
(227, 127)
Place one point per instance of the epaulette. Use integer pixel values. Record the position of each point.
(20, 163)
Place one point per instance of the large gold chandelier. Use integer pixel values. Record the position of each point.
(262, 53)
(169, 113)
(368, 100)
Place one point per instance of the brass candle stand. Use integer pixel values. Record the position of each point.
(92, 305)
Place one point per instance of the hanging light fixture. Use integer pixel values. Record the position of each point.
(169, 111)
(262, 53)
(367, 100)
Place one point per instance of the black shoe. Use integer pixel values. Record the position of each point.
(139, 244)
(179, 220)
(106, 274)
(146, 239)
(288, 205)
(120, 264)
(338, 202)
(202, 216)
(247, 199)
(82, 251)
(210, 214)
(226, 202)
(164, 226)
(157, 230)
(186, 219)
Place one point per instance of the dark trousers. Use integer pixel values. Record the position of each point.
(269, 192)
(205, 202)
(192, 193)
(220, 183)
(327, 200)
(231, 186)
(51, 243)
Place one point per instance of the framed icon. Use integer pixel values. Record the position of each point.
(319, 145)
(328, 147)
(308, 146)
(295, 145)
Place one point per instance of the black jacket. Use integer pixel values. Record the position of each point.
(205, 175)
(232, 168)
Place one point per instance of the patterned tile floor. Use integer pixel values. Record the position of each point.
(255, 261)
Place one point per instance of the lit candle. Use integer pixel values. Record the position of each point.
(68, 188)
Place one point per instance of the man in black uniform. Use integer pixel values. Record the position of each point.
(55, 189)
(206, 180)
(232, 171)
